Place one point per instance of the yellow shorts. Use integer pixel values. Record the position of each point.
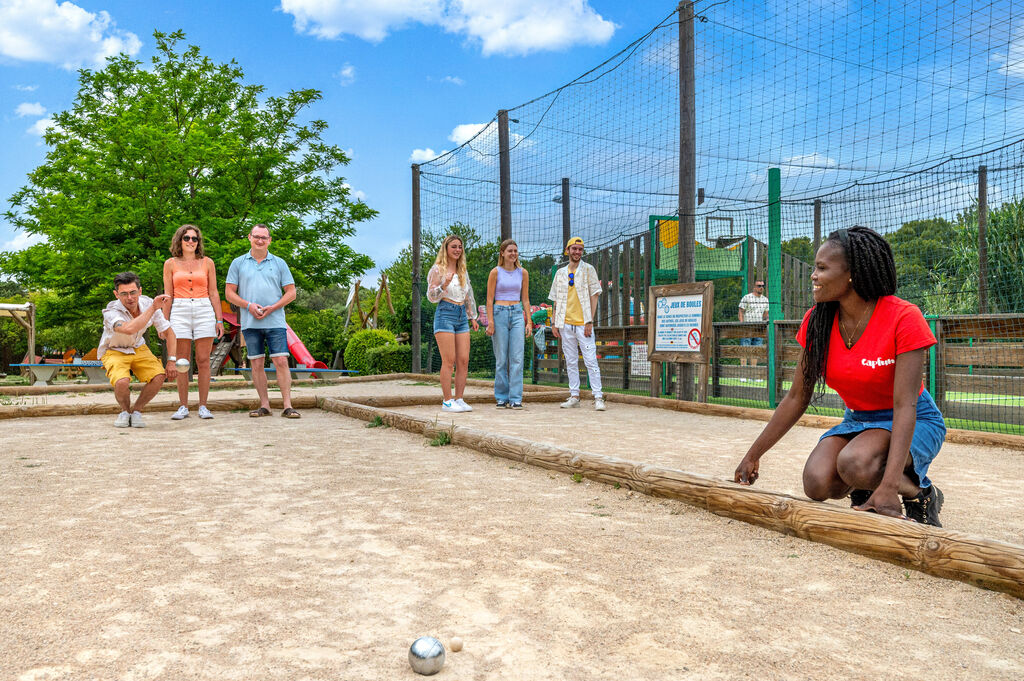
(143, 364)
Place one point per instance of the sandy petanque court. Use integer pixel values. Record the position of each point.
(320, 549)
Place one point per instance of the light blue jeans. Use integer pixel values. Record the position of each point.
(509, 340)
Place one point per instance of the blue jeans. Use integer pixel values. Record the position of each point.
(509, 340)
(276, 340)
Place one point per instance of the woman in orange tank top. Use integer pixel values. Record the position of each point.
(195, 315)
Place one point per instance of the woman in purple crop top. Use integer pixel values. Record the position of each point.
(508, 314)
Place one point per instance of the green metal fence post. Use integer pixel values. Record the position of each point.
(774, 275)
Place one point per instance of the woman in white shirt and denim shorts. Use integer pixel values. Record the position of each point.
(448, 286)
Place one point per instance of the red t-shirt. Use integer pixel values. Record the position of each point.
(864, 374)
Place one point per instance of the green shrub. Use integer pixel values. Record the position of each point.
(481, 352)
(322, 332)
(391, 358)
(356, 357)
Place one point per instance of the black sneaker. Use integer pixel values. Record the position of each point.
(502, 405)
(515, 405)
(859, 497)
(925, 507)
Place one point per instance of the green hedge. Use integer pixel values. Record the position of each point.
(391, 358)
(356, 352)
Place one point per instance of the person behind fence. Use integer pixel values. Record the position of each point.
(869, 346)
(508, 324)
(574, 292)
(753, 308)
(191, 280)
(448, 285)
(261, 285)
(123, 350)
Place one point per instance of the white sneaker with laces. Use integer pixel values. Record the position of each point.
(462, 404)
(204, 413)
(598, 404)
(123, 420)
(137, 421)
(570, 403)
(182, 413)
(450, 405)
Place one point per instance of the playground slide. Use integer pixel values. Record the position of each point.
(295, 346)
(300, 353)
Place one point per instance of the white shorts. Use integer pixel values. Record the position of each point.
(193, 318)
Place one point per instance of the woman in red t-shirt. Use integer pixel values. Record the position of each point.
(869, 346)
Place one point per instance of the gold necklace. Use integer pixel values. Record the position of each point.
(847, 334)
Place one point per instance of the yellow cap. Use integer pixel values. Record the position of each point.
(574, 241)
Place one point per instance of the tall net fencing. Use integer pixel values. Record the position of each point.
(903, 118)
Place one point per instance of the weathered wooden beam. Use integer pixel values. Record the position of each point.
(940, 552)
(26, 410)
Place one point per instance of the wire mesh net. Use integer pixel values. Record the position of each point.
(903, 117)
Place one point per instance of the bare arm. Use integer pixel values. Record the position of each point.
(525, 299)
(739, 315)
(906, 383)
(211, 280)
(168, 285)
(789, 411)
(142, 321)
(286, 297)
(492, 283)
(231, 293)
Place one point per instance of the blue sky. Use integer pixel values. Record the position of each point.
(398, 76)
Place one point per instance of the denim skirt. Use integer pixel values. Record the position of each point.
(929, 432)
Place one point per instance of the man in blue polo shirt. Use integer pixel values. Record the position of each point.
(261, 284)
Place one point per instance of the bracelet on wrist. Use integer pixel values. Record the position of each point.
(172, 358)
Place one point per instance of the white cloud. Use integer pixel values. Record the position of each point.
(424, 155)
(466, 131)
(30, 109)
(455, 80)
(368, 19)
(64, 34)
(23, 241)
(1013, 60)
(40, 126)
(347, 74)
(357, 194)
(26, 88)
(512, 27)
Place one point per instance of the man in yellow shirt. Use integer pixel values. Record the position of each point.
(574, 293)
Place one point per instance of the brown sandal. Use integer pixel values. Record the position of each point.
(262, 411)
(290, 413)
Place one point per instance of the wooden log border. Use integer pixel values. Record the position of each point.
(943, 553)
(25, 410)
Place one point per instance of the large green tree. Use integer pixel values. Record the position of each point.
(182, 139)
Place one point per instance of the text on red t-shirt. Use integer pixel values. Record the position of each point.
(864, 374)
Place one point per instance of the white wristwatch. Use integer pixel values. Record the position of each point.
(172, 358)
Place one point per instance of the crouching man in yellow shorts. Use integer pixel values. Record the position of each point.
(123, 348)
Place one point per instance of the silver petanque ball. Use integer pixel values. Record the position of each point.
(181, 364)
(426, 655)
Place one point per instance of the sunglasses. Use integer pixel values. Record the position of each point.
(572, 281)
(190, 238)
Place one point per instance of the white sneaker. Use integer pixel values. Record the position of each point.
(462, 404)
(123, 420)
(137, 421)
(573, 401)
(598, 404)
(182, 413)
(450, 405)
(204, 413)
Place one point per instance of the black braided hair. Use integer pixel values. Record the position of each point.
(873, 271)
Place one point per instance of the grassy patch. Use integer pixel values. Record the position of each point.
(441, 439)
(377, 422)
